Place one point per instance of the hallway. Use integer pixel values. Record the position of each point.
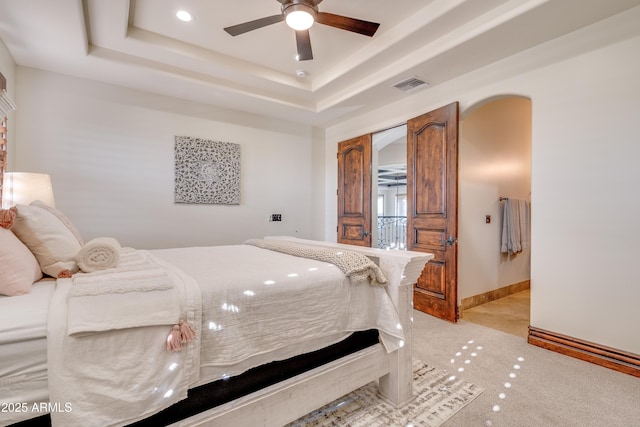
(509, 314)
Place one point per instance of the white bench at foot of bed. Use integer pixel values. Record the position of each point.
(289, 400)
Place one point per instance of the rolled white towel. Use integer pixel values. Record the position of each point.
(99, 254)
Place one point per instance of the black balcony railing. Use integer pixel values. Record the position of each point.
(392, 232)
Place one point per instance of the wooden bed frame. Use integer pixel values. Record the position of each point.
(291, 399)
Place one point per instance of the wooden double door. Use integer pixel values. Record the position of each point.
(432, 201)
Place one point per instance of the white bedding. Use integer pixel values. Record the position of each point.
(23, 352)
(118, 376)
(258, 306)
(257, 301)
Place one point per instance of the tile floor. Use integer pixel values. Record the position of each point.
(509, 314)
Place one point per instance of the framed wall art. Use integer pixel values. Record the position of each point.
(206, 171)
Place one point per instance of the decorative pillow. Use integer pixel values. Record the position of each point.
(62, 217)
(19, 267)
(49, 237)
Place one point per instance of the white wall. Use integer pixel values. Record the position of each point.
(318, 190)
(586, 178)
(585, 96)
(392, 154)
(494, 161)
(109, 151)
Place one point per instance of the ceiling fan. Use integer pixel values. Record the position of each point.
(300, 15)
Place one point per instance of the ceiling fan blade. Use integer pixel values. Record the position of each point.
(359, 26)
(303, 41)
(254, 25)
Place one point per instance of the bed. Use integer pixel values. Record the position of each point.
(285, 307)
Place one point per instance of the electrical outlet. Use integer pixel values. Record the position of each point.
(275, 217)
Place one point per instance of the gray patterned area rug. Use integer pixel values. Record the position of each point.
(439, 395)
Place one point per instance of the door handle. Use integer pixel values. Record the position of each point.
(364, 234)
(451, 240)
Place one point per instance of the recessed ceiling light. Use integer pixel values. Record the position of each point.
(184, 16)
(301, 73)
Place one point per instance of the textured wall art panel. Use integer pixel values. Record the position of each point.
(206, 171)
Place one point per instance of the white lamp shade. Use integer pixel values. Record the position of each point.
(22, 188)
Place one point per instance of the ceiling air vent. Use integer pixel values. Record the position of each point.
(412, 83)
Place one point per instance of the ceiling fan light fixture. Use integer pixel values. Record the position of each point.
(299, 16)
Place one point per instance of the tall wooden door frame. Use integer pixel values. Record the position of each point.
(432, 207)
(354, 191)
(431, 203)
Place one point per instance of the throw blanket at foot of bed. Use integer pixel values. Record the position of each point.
(357, 267)
(108, 362)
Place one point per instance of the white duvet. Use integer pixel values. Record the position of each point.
(255, 306)
(23, 353)
(109, 377)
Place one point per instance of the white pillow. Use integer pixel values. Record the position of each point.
(62, 217)
(50, 236)
(19, 269)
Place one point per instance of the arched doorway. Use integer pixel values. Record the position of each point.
(494, 163)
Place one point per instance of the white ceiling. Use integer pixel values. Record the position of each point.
(141, 44)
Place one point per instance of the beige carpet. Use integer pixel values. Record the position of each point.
(439, 395)
(545, 389)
